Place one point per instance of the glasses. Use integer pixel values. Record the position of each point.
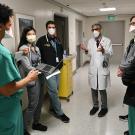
(132, 23)
(95, 29)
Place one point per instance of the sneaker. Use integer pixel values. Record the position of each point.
(39, 127)
(123, 118)
(63, 118)
(102, 112)
(93, 110)
(26, 132)
(126, 133)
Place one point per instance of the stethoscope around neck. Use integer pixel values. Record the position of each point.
(49, 42)
(47, 39)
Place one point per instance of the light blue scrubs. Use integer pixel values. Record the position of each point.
(11, 122)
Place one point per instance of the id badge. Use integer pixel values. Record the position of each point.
(57, 59)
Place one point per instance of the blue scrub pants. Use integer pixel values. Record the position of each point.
(52, 85)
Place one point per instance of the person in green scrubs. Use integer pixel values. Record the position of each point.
(10, 82)
(131, 109)
(126, 70)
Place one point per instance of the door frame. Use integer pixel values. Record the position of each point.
(78, 51)
(66, 19)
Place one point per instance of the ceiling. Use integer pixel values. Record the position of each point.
(91, 7)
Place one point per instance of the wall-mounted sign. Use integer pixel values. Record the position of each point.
(111, 17)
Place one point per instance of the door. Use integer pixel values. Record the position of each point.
(115, 31)
(62, 31)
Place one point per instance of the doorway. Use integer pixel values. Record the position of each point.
(115, 31)
(62, 31)
(79, 37)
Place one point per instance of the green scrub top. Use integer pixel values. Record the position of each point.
(131, 120)
(10, 108)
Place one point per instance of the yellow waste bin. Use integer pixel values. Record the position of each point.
(66, 80)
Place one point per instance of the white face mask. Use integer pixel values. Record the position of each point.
(51, 31)
(31, 38)
(9, 33)
(132, 29)
(96, 33)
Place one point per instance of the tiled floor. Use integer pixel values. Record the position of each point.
(79, 106)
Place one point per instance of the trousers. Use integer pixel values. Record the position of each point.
(95, 100)
(53, 84)
(35, 101)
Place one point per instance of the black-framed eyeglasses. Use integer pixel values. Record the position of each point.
(95, 29)
(132, 23)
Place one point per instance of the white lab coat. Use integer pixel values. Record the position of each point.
(98, 76)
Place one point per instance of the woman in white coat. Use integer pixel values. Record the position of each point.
(100, 49)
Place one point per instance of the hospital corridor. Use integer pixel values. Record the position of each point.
(79, 107)
(67, 67)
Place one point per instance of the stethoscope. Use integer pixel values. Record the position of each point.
(54, 46)
(47, 39)
(52, 43)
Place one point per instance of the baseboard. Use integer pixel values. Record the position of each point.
(74, 72)
(86, 62)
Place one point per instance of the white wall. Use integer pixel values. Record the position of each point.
(44, 11)
(92, 20)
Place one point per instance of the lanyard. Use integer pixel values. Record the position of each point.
(54, 45)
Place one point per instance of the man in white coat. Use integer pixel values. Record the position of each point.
(100, 49)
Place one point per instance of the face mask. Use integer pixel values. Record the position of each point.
(31, 38)
(9, 33)
(132, 29)
(51, 31)
(95, 33)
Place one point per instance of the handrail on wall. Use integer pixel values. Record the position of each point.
(118, 44)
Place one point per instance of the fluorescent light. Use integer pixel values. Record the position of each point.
(107, 9)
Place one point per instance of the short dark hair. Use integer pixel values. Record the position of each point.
(23, 40)
(50, 22)
(132, 18)
(5, 13)
(96, 24)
